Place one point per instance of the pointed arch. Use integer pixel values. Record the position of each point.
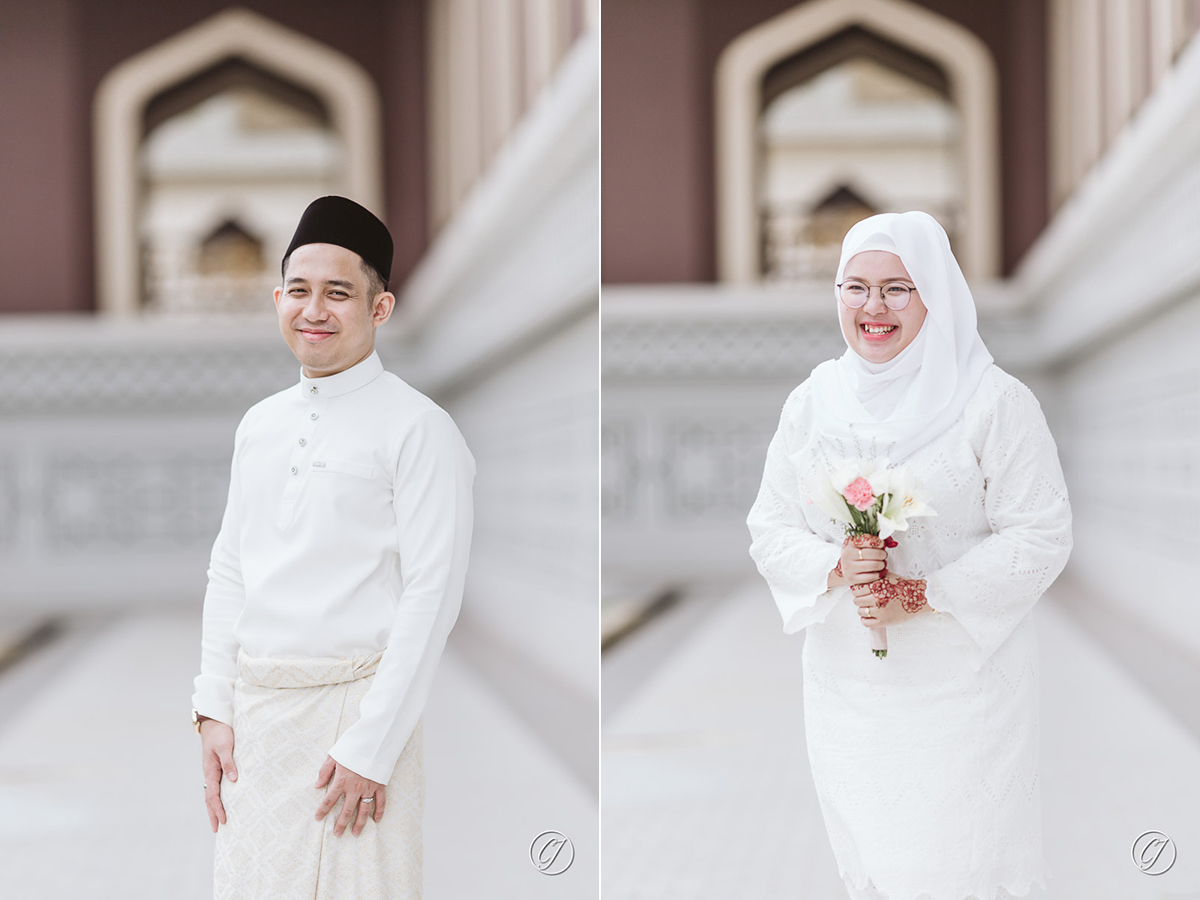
(973, 90)
(123, 95)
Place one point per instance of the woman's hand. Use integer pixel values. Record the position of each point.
(874, 601)
(863, 560)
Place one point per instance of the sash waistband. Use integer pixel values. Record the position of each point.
(281, 672)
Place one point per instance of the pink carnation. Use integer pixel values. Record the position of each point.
(858, 492)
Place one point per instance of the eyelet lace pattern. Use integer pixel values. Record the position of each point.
(926, 762)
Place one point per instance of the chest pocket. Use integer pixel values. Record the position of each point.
(342, 467)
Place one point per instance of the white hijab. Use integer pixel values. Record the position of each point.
(907, 401)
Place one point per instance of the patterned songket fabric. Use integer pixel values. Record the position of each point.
(286, 714)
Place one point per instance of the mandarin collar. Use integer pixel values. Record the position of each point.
(351, 379)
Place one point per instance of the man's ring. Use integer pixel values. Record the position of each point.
(860, 554)
(366, 799)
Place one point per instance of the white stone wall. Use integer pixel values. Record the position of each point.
(533, 429)
(115, 441)
(1130, 445)
(1116, 281)
(502, 320)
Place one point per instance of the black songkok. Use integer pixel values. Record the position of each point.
(336, 220)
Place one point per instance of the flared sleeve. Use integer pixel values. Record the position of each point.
(993, 586)
(794, 560)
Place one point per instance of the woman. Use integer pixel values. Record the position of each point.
(925, 761)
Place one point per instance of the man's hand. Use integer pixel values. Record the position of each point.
(216, 759)
(353, 786)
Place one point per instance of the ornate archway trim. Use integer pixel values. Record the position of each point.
(121, 98)
(973, 88)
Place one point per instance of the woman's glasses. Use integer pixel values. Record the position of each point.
(856, 293)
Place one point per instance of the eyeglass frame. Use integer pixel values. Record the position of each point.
(908, 298)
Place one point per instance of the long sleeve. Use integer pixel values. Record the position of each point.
(223, 602)
(794, 560)
(433, 507)
(993, 586)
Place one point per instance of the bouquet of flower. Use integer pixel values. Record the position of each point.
(871, 498)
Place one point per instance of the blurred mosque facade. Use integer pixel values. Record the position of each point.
(155, 159)
(854, 131)
(1058, 142)
(223, 184)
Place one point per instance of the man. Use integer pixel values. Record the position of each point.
(334, 582)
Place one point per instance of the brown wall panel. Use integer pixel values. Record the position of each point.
(404, 136)
(1024, 129)
(655, 162)
(42, 156)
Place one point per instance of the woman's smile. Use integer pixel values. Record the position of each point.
(875, 331)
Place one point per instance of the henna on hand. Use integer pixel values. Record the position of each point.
(864, 541)
(909, 591)
(867, 568)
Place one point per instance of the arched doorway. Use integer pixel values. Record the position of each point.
(849, 127)
(887, 58)
(229, 160)
(238, 81)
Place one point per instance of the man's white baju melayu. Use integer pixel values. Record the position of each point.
(925, 762)
(334, 583)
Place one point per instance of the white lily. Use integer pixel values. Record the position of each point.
(881, 477)
(905, 501)
(830, 501)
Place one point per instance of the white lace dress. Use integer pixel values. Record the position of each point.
(926, 762)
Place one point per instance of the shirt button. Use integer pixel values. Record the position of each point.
(313, 389)
(303, 442)
(293, 470)
(312, 415)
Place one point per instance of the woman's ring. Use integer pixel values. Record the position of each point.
(366, 799)
(860, 554)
